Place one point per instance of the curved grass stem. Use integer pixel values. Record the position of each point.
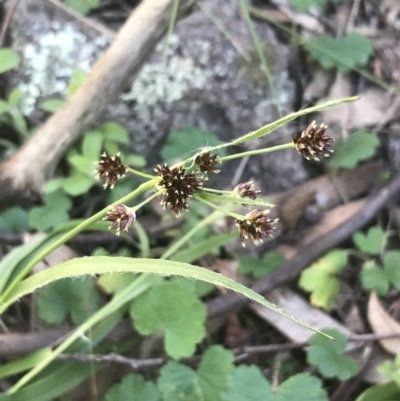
(257, 152)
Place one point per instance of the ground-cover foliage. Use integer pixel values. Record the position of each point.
(174, 307)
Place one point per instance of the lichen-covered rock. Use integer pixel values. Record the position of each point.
(207, 81)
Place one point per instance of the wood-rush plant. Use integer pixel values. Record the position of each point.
(175, 186)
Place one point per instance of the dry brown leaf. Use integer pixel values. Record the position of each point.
(382, 323)
(329, 222)
(297, 306)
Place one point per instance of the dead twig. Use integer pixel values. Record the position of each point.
(134, 364)
(241, 353)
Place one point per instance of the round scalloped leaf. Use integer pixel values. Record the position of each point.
(358, 147)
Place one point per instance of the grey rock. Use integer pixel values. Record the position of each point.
(205, 83)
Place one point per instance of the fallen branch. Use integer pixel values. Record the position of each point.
(23, 175)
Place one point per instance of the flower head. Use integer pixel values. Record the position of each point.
(313, 141)
(179, 187)
(110, 168)
(255, 225)
(246, 190)
(121, 216)
(207, 162)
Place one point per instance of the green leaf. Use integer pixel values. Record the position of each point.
(175, 310)
(214, 369)
(77, 298)
(179, 382)
(346, 54)
(200, 288)
(391, 265)
(137, 161)
(14, 219)
(78, 76)
(391, 369)
(54, 213)
(83, 6)
(78, 184)
(372, 242)
(123, 188)
(53, 185)
(301, 387)
(304, 5)
(176, 382)
(91, 147)
(320, 278)
(374, 278)
(328, 356)
(382, 392)
(114, 132)
(15, 97)
(9, 59)
(358, 147)
(182, 144)
(201, 248)
(105, 264)
(133, 388)
(247, 383)
(271, 261)
(114, 283)
(22, 364)
(4, 107)
(21, 125)
(52, 105)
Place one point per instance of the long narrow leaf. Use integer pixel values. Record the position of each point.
(106, 264)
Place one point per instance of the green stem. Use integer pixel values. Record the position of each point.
(71, 234)
(139, 173)
(172, 20)
(260, 52)
(137, 207)
(257, 152)
(217, 191)
(221, 209)
(181, 241)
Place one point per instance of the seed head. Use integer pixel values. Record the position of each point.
(255, 225)
(246, 190)
(110, 168)
(121, 216)
(207, 162)
(313, 141)
(179, 187)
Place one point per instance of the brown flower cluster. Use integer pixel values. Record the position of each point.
(111, 169)
(313, 141)
(247, 190)
(255, 225)
(207, 162)
(121, 216)
(179, 187)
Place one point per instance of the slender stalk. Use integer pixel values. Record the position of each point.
(181, 241)
(139, 173)
(172, 20)
(217, 191)
(137, 207)
(260, 52)
(257, 152)
(221, 209)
